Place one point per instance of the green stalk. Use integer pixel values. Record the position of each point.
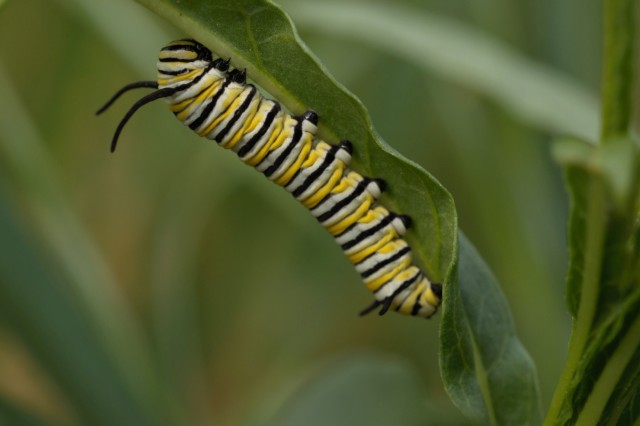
(618, 70)
(617, 82)
(596, 223)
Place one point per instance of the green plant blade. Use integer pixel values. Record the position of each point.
(536, 94)
(35, 306)
(258, 36)
(486, 370)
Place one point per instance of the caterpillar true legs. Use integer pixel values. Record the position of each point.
(218, 104)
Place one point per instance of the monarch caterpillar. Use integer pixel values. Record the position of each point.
(217, 103)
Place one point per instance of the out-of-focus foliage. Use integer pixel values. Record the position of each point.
(168, 227)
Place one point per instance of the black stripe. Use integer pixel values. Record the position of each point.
(237, 114)
(174, 47)
(172, 59)
(416, 306)
(246, 148)
(192, 97)
(436, 288)
(177, 72)
(369, 232)
(297, 135)
(375, 268)
(329, 157)
(191, 82)
(401, 287)
(209, 108)
(358, 190)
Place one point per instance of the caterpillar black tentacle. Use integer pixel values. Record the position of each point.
(217, 103)
(136, 85)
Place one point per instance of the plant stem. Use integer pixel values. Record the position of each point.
(593, 253)
(617, 82)
(617, 71)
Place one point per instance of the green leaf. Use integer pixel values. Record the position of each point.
(34, 305)
(362, 390)
(486, 370)
(258, 36)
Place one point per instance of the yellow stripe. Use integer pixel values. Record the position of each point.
(186, 76)
(243, 128)
(391, 247)
(430, 297)
(407, 305)
(194, 103)
(376, 214)
(346, 183)
(320, 148)
(349, 220)
(178, 54)
(257, 158)
(287, 175)
(357, 257)
(378, 282)
(181, 43)
(251, 123)
(230, 98)
(289, 124)
(310, 159)
(317, 196)
(180, 105)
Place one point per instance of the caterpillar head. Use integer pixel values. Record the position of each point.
(183, 54)
(178, 59)
(178, 66)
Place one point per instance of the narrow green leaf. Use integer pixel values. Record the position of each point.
(258, 36)
(486, 370)
(34, 305)
(536, 93)
(27, 165)
(124, 25)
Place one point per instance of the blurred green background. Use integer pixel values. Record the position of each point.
(198, 291)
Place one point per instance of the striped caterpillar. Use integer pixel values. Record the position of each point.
(218, 104)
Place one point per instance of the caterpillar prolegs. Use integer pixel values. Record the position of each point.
(217, 103)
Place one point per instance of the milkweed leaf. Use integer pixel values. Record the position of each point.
(486, 370)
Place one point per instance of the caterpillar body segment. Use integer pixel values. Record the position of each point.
(217, 103)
